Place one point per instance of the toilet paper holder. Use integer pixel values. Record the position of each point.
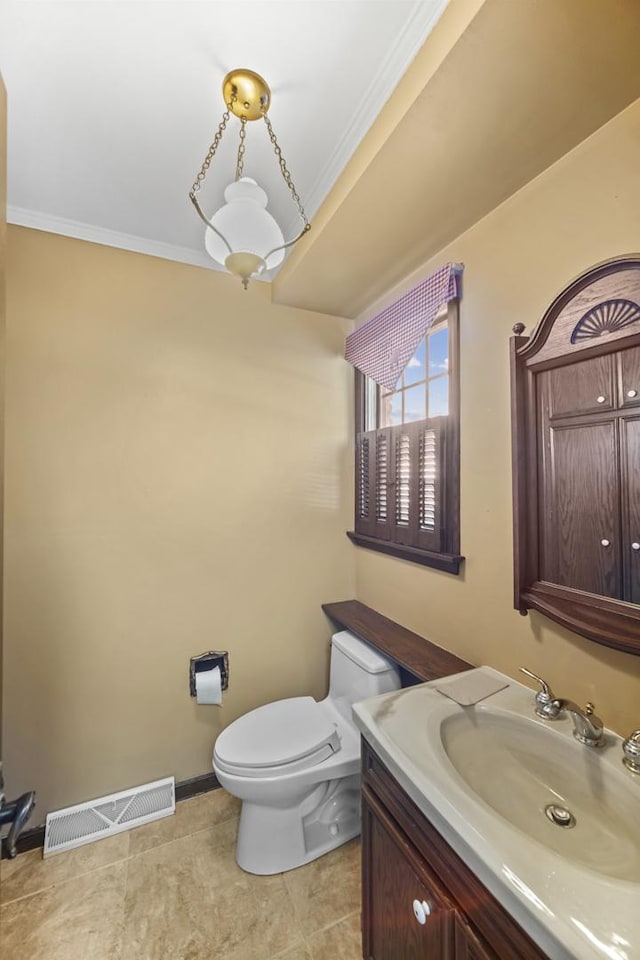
(207, 661)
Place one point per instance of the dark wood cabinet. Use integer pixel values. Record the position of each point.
(589, 474)
(580, 498)
(576, 458)
(629, 377)
(405, 903)
(409, 874)
(585, 387)
(468, 945)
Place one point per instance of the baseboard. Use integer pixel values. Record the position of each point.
(196, 785)
(185, 789)
(28, 840)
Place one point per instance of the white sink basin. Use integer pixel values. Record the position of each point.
(487, 774)
(523, 771)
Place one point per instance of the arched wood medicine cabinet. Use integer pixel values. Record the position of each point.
(576, 457)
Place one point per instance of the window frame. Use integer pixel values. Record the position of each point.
(447, 557)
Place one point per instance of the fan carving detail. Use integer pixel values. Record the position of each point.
(607, 317)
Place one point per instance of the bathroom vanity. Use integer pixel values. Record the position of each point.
(491, 833)
(488, 832)
(406, 864)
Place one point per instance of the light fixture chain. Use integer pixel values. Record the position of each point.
(197, 183)
(286, 176)
(240, 160)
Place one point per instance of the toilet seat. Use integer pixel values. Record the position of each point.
(277, 738)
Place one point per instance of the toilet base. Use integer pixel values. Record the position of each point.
(273, 839)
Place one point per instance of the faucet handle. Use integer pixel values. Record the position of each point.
(631, 752)
(547, 704)
(596, 723)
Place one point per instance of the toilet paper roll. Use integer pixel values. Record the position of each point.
(209, 686)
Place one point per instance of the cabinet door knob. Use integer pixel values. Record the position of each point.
(632, 393)
(605, 543)
(635, 545)
(601, 399)
(421, 910)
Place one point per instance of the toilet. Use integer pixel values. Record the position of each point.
(295, 764)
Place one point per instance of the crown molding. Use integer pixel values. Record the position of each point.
(399, 57)
(23, 217)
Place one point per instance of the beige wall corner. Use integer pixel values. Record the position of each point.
(500, 91)
(585, 209)
(178, 479)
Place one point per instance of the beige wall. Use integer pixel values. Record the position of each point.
(3, 257)
(178, 479)
(139, 391)
(584, 209)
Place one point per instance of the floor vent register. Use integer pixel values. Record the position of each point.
(95, 819)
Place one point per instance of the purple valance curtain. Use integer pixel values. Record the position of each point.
(383, 346)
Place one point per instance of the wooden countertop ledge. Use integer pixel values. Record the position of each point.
(413, 652)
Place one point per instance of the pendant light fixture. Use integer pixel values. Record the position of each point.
(242, 235)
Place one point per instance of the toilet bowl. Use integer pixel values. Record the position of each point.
(295, 764)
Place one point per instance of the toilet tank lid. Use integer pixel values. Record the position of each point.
(361, 653)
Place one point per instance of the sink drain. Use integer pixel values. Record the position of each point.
(560, 815)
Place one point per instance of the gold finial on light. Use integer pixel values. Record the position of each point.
(246, 94)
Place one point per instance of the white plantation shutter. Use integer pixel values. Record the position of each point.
(403, 477)
(430, 457)
(399, 483)
(381, 473)
(427, 478)
(363, 502)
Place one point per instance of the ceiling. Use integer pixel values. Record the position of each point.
(113, 105)
(402, 122)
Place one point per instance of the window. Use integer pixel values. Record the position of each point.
(423, 390)
(407, 454)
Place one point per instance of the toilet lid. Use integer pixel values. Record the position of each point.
(278, 733)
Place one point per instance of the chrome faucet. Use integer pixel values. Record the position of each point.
(587, 727)
(631, 752)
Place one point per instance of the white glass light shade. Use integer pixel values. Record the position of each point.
(246, 224)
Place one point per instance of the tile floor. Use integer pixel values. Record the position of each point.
(171, 890)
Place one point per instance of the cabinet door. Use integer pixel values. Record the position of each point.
(584, 387)
(395, 888)
(469, 946)
(630, 376)
(580, 508)
(630, 441)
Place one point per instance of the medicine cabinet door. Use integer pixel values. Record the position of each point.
(580, 515)
(631, 507)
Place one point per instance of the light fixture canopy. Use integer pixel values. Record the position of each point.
(242, 235)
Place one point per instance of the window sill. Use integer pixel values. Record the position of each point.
(449, 562)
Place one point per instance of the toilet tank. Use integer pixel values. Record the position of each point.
(358, 670)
